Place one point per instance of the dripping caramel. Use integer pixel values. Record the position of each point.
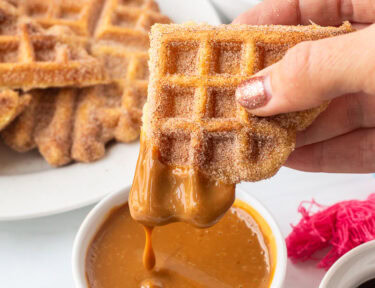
(161, 194)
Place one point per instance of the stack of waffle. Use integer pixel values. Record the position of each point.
(73, 74)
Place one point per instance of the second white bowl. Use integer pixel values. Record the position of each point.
(352, 269)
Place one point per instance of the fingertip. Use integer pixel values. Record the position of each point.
(251, 93)
(255, 95)
(242, 19)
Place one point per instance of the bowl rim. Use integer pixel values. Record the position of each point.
(345, 259)
(96, 217)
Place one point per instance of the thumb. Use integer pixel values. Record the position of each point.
(311, 73)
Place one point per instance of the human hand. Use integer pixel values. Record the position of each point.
(341, 69)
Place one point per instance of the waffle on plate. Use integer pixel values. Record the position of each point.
(117, 34)
(33, 57)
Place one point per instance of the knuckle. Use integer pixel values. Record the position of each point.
(354, 116)
(320, 157)
(367, 150)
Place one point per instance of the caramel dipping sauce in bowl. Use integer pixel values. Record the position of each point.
(93, 251)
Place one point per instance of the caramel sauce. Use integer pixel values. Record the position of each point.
(148, 252)
(161, 194)
(236, 252)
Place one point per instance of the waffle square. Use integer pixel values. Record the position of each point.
(191, 115)
(78, 15)
(90, 117)
(122, 43)
(32, 57)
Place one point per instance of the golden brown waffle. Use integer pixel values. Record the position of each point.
(120, 19)
(67, 124)
(11, 105)
(118, 31)
(78, 15)
(191, 115)
(32, 57)
(122, 43)
(46, 123)
(100, 113)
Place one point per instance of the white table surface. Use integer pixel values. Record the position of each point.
(37, 253)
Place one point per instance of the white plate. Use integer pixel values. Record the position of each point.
(30, 188)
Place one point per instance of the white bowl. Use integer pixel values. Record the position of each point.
(352, 269)
(99, 213)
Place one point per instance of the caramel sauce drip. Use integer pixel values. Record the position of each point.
(162, 194)
(148, 253)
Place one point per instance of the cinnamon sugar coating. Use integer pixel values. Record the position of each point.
(71, 123)
(34, 57)
(191, 115)
(12, 103)
(75, 124)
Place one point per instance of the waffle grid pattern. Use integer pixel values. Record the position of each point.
(127, 23)
(200, 123)
(78, 15)
(194, 119)
(92, 116)
(32, 57)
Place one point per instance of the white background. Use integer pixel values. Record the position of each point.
(37, 253)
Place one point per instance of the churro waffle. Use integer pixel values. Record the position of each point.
(118, 35)
(78, 15)
(122, 43)
(69, 123)
(11, 105)
(118, 31)
(191, 116)
(32, 57)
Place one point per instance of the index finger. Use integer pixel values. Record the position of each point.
(322, 12)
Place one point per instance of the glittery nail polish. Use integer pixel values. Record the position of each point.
(252, 93)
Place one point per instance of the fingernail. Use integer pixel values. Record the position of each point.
(254, 93)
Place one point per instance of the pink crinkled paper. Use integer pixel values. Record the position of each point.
(341, 227)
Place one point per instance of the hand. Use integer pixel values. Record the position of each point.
(341, 69)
